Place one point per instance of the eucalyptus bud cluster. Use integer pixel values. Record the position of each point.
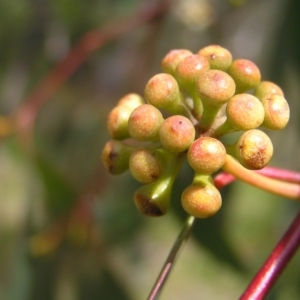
(184, 111)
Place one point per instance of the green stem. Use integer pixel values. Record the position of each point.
(197, 104)
(154, 198)
(165, 271)
(285, 189)
(224, 128)
(209, 116)
(198, 177)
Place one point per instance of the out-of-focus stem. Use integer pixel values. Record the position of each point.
(281, 188)
(282, 174)
(182, 237)
(275, 264)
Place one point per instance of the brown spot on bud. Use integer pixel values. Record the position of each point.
(219, 58)
(115, 157)
(255, 149)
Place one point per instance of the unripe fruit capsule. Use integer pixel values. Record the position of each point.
(144, 123)
(201, 199)
(131, 100)
(254, 149)
(189, 69)
(265, 88)
(177, 133)
(245, 74)
(277, 111)
(162, 91)
(115, 157)
(172, 59)
(215, 87)
(146, 165)
(118, 118)
(245, 112)
(219, 58)
(206, 155)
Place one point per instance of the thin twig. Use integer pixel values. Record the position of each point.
(182, 237)
(275, 264)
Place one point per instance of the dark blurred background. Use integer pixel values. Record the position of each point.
(69, 230)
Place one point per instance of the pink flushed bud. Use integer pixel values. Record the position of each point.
(206, 155)
(215, 87)
(277, 111)
(144, 123)
(219, 58)
(189, 70)
(266, 88)
(172, 59)
(245, 73)
(245, 112)
(177, 133)
(162, 91)
(201, 199)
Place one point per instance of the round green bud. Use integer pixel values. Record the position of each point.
(219, 58)
(189, 69)
(201, 199)
(172, 59)
(215, 87)
(147, 165)
(245, 73)
(245, 112)
(131, 100)
(154, 198)
(253, 150)
(176, 133)
(162, 91)
(206, 155)
(117, 120)
(144, 123)
(277, 111)
(115, 157)
(266, 88)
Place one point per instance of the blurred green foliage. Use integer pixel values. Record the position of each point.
(70, 231)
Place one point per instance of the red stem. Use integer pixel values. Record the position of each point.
(282, 174)
(275, 264)
(223, 179)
